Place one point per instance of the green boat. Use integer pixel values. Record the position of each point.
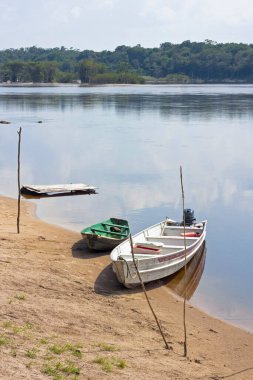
(104, 236)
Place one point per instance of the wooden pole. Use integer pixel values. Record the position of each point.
(144, 290)
(19, 143)
(184, 312)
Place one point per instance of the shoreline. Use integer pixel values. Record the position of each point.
(68, 294)
(148, 83)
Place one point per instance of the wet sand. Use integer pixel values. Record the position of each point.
(63, 313)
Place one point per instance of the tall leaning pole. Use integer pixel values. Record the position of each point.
(184, 308)
(19, 144)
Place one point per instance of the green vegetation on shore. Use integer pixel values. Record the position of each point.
(53, 356)
(188, 62)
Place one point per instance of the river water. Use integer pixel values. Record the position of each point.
(129, 141)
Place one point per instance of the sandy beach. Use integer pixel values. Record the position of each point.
(63, 315)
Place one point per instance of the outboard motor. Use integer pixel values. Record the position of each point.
(189, 217)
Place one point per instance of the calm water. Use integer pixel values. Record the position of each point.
(130, 141)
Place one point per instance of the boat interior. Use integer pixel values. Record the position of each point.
(179, 230)
(162, 240)
(173, 240)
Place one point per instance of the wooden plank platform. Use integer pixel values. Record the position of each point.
(40, 191)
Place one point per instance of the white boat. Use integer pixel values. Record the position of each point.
(159, 251)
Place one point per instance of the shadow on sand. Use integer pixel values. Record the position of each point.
(81, 251)
(180, 283)
(107, 284)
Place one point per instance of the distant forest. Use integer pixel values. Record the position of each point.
(188, 62)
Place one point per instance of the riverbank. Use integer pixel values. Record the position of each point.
(63, 313)
(148, 82)
(31, 84)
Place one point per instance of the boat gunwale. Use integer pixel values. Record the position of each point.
(103, 237)
(160, 255)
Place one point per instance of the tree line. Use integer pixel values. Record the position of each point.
(188, 62)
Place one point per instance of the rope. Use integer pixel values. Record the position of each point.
(128, 269)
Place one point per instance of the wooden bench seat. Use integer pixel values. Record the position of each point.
(124, 234)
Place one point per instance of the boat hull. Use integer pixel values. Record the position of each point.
(154, 267)
(101, 243)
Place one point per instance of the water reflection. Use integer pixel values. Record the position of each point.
(34, 197)
(183, 105)
(185, 284)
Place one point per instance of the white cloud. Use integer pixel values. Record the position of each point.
(109, 23)
(6, 12)
(157, 9)
(165, 14)
(104, 4)
(76, 12)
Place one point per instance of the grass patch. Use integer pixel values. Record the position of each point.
(49, 370)
(120, 363)
(31, 353)
(6, 324)
(59, 370)
(74, 349)
(108, 347)
(107, 364)
(43, 341)
(4, 341)
(68, 368)
(48, 357)
(57, 349)
(17, 329)
(20, 297)
(60, 349)
(22, 329)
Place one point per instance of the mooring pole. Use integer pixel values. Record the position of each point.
(184, 312)
(19, 144)
(144, 291)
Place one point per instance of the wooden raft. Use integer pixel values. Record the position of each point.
(40, 191)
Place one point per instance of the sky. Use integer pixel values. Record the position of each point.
(105, 24)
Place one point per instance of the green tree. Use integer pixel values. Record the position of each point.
(36, 72)
(88, 69)
(16, 71)
(49, 71)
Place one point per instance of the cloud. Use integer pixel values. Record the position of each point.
(105, 24)
(103, 4)
(158, 10)
(76, 12)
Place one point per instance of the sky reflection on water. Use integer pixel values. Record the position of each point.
(129, 141)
